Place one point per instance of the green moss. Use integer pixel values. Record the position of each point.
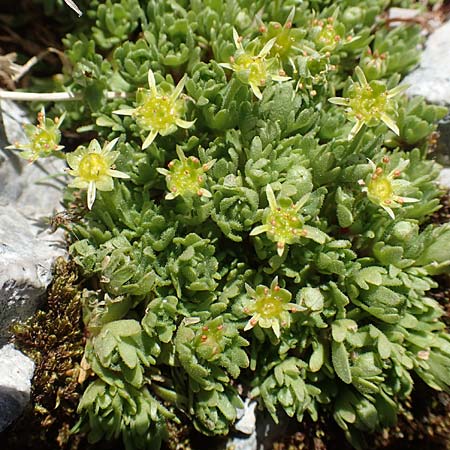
(54, 340)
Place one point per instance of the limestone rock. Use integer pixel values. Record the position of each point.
(27, 247)
(432, 78)
(27, 252)
(16, 371)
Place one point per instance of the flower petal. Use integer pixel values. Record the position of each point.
(339, 101)
(360, 75)
(110, 145)
(256, 91)
(91, 194)
(105, 184)
(237, 39)
(266, 49)
(184, 123)
(397, 90)
(125, 112)
(149, 139)
(151, 81)
(390, 123)
(258, 230)
(178, 88)
(355, 130)
(118, 174)
(271, 197)
(389, 211)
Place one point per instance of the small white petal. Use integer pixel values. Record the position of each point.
(91, 194)
(360, 75)
(390, 123)
(389, 211)
(355, 130)
(179, 88)
(151, 81)
(397, 90)
(290, 17)
(118, 174)
(339, 101)
(258, 230)
(108, 147)
(266, 49)
(184, 123)
(149, 139)
(256, 91)
(125, 112)
(271, 197)
(226, 65)
(279, 78)
(236, 39)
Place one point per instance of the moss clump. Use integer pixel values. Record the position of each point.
(54, 339)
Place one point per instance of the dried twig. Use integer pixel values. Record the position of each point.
(51, 96)
(71, 4)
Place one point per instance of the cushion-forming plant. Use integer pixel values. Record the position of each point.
(258, 220)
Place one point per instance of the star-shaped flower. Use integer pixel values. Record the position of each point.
(269, 307)
(158, 112)
(93, 168)
(186, 176)
(284, 225)
(255, 70)
(43, 138)
(370, 103)
(384, 190)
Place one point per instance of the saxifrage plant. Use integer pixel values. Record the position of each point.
(261, 227)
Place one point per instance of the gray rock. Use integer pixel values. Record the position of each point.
(432, 78)
(27, 252)
(16, 371)
(444, 178)
(267, 432)
(27, 248)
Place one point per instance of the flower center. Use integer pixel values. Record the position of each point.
(43, 141)
(185, 177)
(92, 167)
(269, 306)
(368, 104)
(284, 225)
(380, 189)
(157, 113)
(254, 65)
(328, 37)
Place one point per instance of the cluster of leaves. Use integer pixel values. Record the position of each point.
(285, 247)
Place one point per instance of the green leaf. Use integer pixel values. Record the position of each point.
(340, 361)
(128, 354)
(312, 298)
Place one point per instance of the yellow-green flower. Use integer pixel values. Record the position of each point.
(284, 225)
(287, 38)
(43, 138)
(385, 189)
(93, 168)
(158, 112)
(255, 70)
(370, 103)
(269, 307)
(186, 176)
